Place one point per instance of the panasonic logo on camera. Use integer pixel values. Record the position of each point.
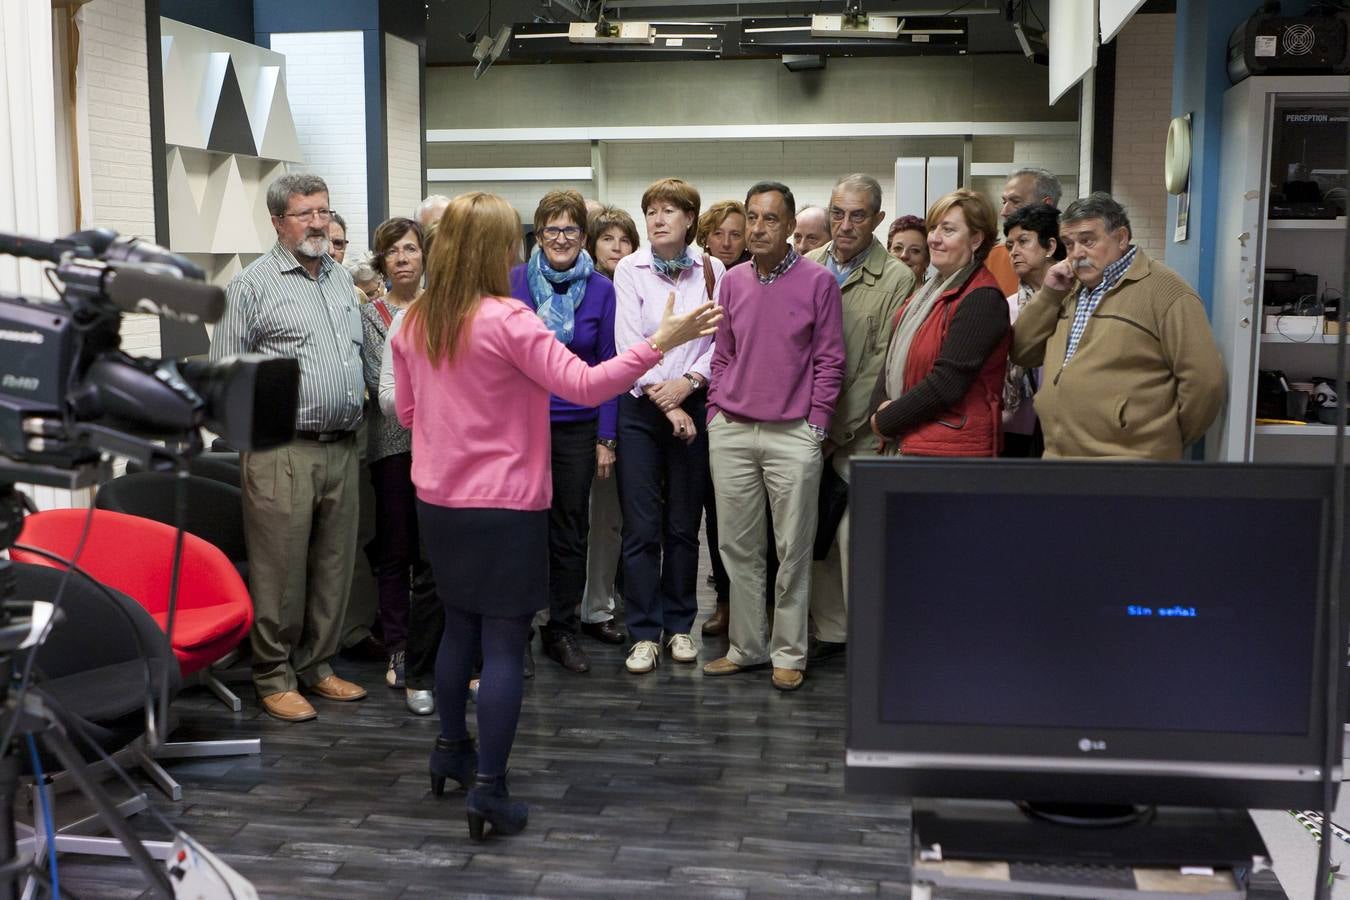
(21, 337)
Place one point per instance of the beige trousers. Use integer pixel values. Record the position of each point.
(363, 600)
(300, 509)
(602, 551)
(780, 460)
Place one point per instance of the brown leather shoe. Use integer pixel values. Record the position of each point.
(288, 706)
(725, 666)
(717, 623)
(335, 688)
(787, 679)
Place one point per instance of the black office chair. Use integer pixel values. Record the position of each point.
(217, 465)
(215, 511)
(94, 667)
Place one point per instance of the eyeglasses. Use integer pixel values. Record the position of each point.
(856, 216)
(338, 243)
(403, 249)
(309, 215)
(566, 235)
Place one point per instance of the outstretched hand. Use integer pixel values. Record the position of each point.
(681, 328)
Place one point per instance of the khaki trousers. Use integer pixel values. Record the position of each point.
(363, 600)
(829, 576)
(752, 460)
(300, 512)
(603, 548)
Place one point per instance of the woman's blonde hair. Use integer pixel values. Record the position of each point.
(712, 220)
(476, 244)
(979, 214)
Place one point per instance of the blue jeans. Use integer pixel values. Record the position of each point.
(661, 484)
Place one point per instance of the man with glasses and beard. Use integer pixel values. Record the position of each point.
(300, 501)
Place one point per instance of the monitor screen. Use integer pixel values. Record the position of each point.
(1097, 631)
(1139, 616)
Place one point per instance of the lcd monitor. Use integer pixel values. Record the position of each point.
(1090, 632)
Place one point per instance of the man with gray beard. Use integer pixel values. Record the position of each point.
(300, 501)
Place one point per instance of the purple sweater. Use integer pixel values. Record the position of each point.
(592, 341)
(779, 350)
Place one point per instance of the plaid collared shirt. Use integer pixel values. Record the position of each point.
(779, 270)
(1088, 300)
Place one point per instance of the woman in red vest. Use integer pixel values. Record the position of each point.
(941, 390)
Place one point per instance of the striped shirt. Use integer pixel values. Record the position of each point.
(275, 308)
(1090, 298)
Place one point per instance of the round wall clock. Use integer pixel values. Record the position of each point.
(1177, 159)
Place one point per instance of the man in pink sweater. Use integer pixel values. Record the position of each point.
(778, 363)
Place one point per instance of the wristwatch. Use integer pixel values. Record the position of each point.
(609, 444)
(694, 380)
(820, 433)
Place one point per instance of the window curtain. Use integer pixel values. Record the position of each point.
(29, 197)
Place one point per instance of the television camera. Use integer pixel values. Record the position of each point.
(69, 395)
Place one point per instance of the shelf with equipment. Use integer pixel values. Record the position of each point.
(1336, 224)
(1281, 259)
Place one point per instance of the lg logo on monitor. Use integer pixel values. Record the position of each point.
(1087, 745)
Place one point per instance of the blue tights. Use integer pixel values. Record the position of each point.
(499, 691)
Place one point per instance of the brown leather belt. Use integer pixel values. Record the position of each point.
(324, 437)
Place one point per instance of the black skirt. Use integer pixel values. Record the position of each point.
(493, 562)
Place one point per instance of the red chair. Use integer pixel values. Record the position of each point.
(135, 556)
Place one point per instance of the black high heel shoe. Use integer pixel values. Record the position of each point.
(452, 759)
(489, 802)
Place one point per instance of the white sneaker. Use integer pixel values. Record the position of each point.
(643, 657)
(682, 648)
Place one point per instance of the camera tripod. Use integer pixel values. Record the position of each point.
(26, 713)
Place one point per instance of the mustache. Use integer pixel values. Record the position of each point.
(1082, 264)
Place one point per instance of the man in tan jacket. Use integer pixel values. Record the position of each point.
(1131, 367)
(874, 284)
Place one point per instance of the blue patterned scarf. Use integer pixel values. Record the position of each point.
(671, 268)
(558, 311)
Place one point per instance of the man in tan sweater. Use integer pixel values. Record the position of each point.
(1131, 367)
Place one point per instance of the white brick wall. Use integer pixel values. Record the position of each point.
(1143, 109)
(114, 82)
(403, 123)
(325, 86)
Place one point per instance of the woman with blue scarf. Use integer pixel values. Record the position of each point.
(577, 304)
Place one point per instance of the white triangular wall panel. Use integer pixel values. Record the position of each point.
(280, 140)
(217, 179)
(198, 166)
(216, 66)
(182, 73)
(257, 175)
(251, 76)
(187, 225)
(235, 230)
(258, 100)
(218, 201)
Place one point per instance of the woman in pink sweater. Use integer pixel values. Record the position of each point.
(473, 371)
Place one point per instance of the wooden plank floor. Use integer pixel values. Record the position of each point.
(669, 784)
